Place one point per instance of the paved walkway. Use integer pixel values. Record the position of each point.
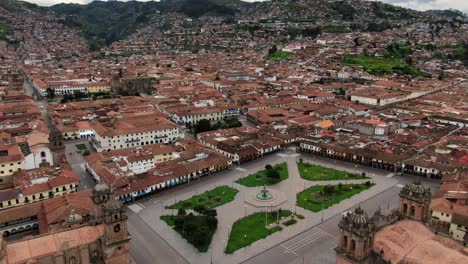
(151, 210)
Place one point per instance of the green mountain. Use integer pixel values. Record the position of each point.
(21, 6)
(102, 23)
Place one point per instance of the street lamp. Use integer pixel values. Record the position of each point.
(321, 205)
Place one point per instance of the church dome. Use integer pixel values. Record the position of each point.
(101, 187)
(359, 217)
(112, 205)
(416, 187)
(74, 218)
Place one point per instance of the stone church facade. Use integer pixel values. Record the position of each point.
(103, 239)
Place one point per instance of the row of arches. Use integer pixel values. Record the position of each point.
(411, 211)
(20, 229)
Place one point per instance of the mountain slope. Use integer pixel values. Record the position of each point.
(102, 23)
(105, 22)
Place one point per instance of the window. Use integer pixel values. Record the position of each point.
(117, 228)
(71, 260)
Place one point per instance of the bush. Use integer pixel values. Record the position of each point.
(181, 212)
(200, 209)
(273, 174)
(268, 167)
(212, 222)
(179, 223)
(368, 183)
(211, 213)
(329, 190)
(357, 186)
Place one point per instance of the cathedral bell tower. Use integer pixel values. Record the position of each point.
(100, 195)
(415, 201)
(356, 237)
(56, 143)
(116, 237)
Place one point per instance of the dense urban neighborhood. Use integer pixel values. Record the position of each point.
(212, 131)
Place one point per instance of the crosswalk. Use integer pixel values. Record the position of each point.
(136, 207)
(294, 245)
(283, 155)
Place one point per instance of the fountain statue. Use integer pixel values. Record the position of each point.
(264, 194)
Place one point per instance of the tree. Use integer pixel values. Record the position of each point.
(210, 213)
(50, 93)
(179, 222)
(340, 187)
(328, 190)
(273, 50)
(273, 174)
(363, 174)
(202, 126)
(200, 209)
(181, 212)
(268, 167)
(212, 222)
(201, 236)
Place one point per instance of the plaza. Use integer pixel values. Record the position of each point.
(144, 215)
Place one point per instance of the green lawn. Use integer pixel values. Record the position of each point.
(260, 178)
(5, 31)
(318, 173)
(381, 66)
(247, 230)
(311, 199)
(198, 230)
(81, 147)
(290, 222)
(210, 199)
(278, 56)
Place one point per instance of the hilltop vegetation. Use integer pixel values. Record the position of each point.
(103, 22)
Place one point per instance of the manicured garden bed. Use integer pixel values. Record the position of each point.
(260, 178)
(198, 230)
(278, 55)
(247, 230)
(318, 173)
(210, 199)
(317, 198)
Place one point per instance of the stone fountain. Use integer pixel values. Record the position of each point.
(265, 197)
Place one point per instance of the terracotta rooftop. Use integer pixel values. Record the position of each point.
(409, 241)
(24, 250)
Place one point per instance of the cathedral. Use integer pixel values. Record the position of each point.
(104, 238)
(402, 236)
